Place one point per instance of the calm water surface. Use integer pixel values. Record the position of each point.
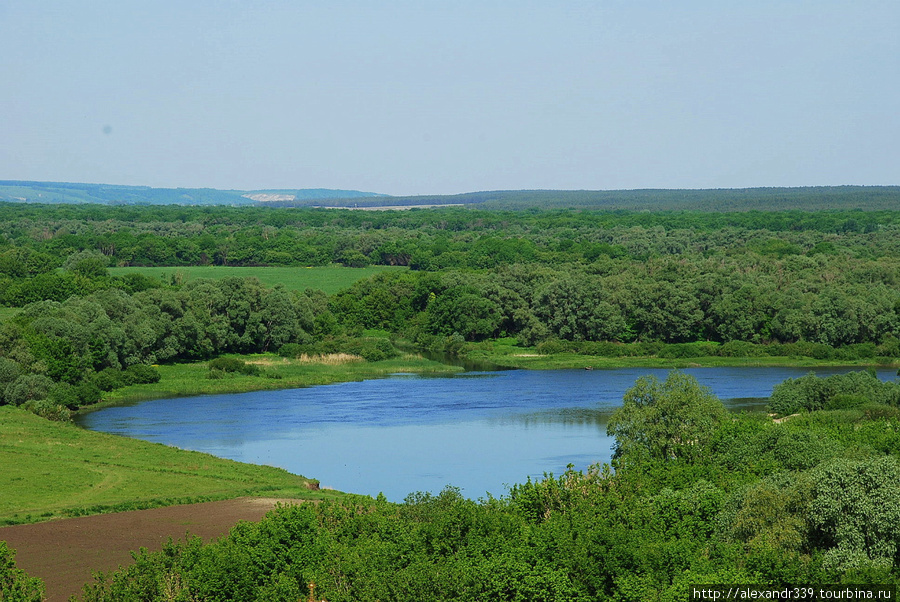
(479, 431)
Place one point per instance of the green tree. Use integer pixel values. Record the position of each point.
(15, 584)
(671, 419)
(856, 509)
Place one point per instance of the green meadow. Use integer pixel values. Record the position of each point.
(54, 469)
(330, 279)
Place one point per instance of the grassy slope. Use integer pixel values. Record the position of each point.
(330, 279)
(52, 469)
(57, 469)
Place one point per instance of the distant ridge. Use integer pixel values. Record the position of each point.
(810, 198)
(22, 191)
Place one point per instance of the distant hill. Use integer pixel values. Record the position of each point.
(109, 194)
(812, 198)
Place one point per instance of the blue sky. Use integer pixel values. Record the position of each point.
(447, 97)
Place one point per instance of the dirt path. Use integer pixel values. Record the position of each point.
(65, 553)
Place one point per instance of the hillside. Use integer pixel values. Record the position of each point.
(108, 194)
(812, 198)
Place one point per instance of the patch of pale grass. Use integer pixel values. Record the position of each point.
(330, 359)
(268, 361)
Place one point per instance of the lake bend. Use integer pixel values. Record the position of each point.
(479, 431)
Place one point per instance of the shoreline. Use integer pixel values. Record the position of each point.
(189, 379)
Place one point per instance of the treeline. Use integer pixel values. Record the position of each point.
(695, 496)
(827, 301)
(58, 356)
(432, 239)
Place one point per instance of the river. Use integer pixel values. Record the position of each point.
(479, 431)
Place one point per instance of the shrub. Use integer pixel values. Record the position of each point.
(141, 374)
(109, 379)
(551, 346)
(738, 349)
(812, 393)
(292, 350)
(46, 408)
(15, 584)
(232, 364)
(9, 370)
(27, 387)
(374, 350)
(63, 394)
(682, 350)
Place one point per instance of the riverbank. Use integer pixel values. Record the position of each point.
(503, 353)
(183, 380)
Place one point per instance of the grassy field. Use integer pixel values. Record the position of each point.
(53, 469)
(330, 279)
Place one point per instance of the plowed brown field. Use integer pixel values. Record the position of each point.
(65, 553)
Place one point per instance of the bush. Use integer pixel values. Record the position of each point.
(109, 379)
(64, 394)
(374, 350)
(551, 346)
(141, 374)
(215, 374)
(46, 408)
(73, 396)
(846, 401)
(682, 350)
(27, 387)
(15, 584)
(232, 364)
(9, 371)
(812, 393)
(292, 350)
(739, 349)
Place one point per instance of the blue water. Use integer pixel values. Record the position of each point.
(479, 431)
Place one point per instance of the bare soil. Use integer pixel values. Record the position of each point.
(65, 553)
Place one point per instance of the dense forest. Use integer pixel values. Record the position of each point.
(694, 495)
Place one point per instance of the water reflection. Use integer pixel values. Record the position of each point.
(561, 416)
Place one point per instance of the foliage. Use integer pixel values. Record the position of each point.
(672, 419)
(856, 508)
(15, 585)
(838, 391)
(232, 364)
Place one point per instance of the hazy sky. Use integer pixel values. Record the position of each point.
(425, 97)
